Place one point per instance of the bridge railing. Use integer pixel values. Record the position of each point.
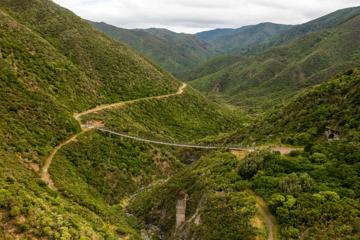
(174, 144)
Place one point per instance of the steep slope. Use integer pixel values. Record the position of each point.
(217, 206)
(188, 117)
(53, 64)
(280, 72)
(239, 41)
(53, 59)
(257, 38)
(328, 21)
(303, 187)
(250, 40)
(41, 86)
(175, 52)
(110, 63)
(129, 164)
(333, 105)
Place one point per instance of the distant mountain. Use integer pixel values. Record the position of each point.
(260, 81)
(238, 41)
(256, 38)
(175, 52)
(328, 21)
(184, 54)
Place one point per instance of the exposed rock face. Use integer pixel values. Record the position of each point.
(180, 208)
(331, 134)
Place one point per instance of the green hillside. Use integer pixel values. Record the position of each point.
(188, 117)
(222, 207)
(333, 105)
(258, 38)
(240, 41)
(313, 194)
(304, 187)
(190, 56)
(211, 66)
(44, 81)
(52, 64)
(326, 22)
(250, 40)
(278, 73)
(300, 188)
(175, 52)
(61, 177)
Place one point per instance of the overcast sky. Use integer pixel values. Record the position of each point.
(198, 15)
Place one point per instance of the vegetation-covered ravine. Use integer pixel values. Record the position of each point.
(77, 108)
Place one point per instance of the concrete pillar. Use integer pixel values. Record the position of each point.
(180, 208)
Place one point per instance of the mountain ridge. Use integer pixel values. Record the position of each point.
(175, 52)
(286, 69)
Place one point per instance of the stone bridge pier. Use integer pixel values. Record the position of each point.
(180, 208)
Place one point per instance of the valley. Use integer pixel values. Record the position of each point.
(248, 133)
(84, 128)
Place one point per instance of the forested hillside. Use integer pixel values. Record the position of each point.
(271, 77)
(333, 105)
(175, 52)
(45, 81)
(218, 205)
(67, 91)
(241, 40)
(300, 188)
(325, 22)
(52, 65)
(211, 66)
(313, 194)
(185, 54)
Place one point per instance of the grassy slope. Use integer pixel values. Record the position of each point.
(174, 52)
(28, 208)
(280, 72)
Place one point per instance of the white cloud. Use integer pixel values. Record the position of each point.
(198, 15)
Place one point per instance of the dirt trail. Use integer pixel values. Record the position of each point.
(263, 210)
(99, 108)
(266, 216)
(45, 176)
